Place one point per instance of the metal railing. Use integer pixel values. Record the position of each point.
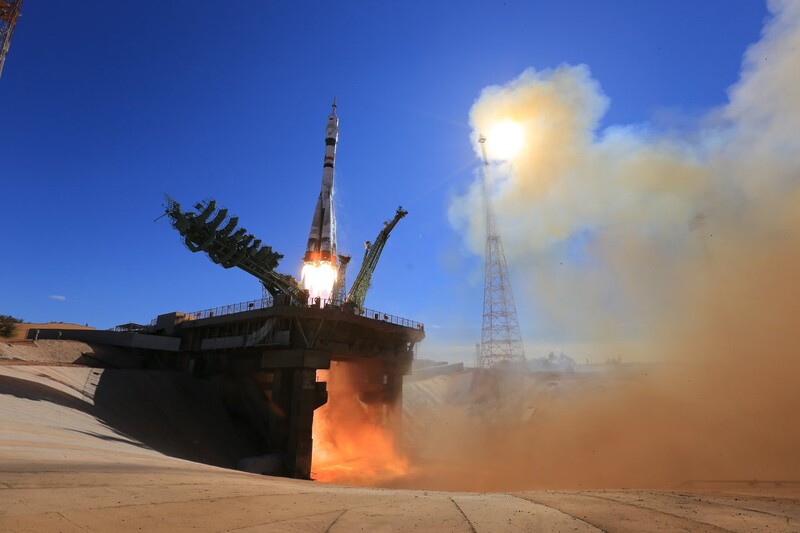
(263, 303)
(392, 319)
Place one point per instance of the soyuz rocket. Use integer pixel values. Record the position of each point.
(322, 237)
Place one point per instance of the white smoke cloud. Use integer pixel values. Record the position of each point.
(604, 223)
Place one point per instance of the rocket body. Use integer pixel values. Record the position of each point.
(322, 236)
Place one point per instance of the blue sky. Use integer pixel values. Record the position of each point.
(106, 106)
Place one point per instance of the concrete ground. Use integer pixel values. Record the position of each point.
(63, 469)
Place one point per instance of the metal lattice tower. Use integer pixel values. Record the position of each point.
(501, 340)
(9, 13)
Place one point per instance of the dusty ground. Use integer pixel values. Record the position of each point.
(64, 352)
(62, 468)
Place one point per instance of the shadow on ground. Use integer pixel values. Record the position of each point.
(209, 421)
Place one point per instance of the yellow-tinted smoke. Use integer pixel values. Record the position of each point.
(601, 221)
(689, 240)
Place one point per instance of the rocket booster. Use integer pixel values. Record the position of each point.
(322, 237)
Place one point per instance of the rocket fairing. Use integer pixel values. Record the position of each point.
(322, 237)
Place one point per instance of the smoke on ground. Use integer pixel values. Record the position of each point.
(688, 239)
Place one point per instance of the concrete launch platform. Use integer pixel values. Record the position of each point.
(274, 350)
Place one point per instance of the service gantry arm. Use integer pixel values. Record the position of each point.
(229, 248)
(358, 290)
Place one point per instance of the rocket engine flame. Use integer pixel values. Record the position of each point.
(318, 278)
(353, 443)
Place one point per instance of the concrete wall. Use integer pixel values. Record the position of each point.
(111, 338)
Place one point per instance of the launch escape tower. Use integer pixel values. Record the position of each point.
(9, 12)
(501, 340)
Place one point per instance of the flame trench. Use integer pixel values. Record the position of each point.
(354, 441)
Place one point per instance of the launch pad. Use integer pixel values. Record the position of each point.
(276, 346)
(275, 350)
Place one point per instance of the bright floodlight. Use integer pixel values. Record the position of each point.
(505, 139)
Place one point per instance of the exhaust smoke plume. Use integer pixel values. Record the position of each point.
(609, 220)
(686, 240)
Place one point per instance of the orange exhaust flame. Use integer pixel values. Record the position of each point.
(353, 443)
